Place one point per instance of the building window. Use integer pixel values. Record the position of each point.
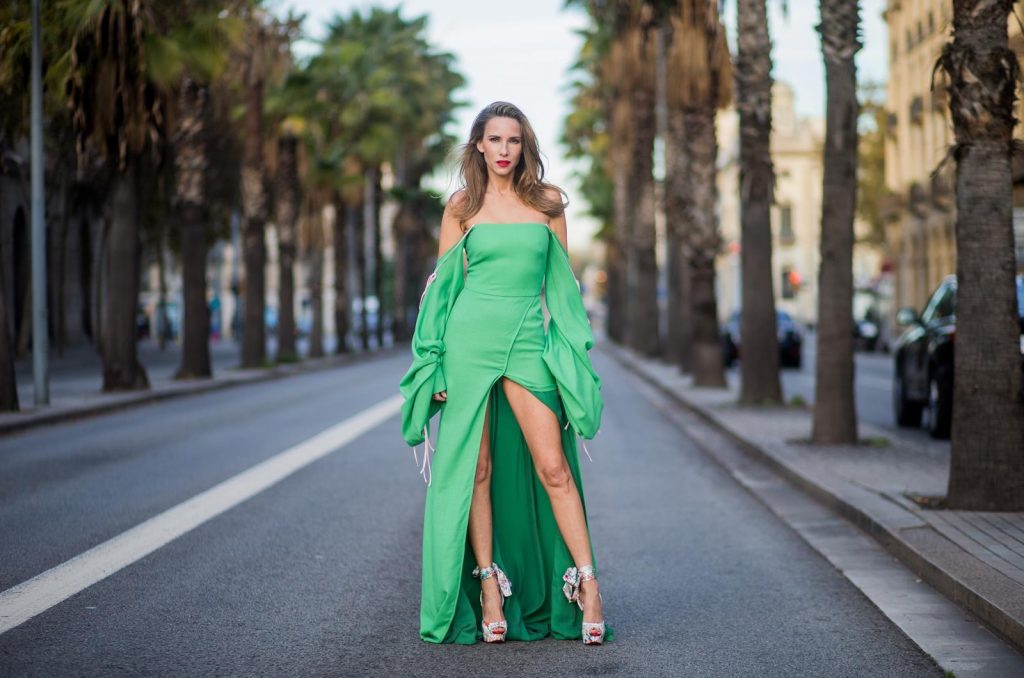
(920, 32)
(786, 235)
(910, 41)
(916, 110)
(893, 51)
(931, 23)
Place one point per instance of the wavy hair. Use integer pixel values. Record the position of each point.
(528, 177)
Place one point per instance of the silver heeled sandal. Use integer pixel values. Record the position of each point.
(494, 632)
(593, 632)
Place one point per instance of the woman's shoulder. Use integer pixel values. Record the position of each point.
(454, 209)
(457, 201)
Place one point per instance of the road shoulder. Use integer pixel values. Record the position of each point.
(971, 559)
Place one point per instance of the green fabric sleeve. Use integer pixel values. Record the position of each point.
(425, 376)
(569, 338)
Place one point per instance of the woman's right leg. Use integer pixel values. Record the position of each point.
(481, 534)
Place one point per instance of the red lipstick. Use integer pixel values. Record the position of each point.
(504, 163)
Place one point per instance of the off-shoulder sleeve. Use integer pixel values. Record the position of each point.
(569, 338)
(425, 376)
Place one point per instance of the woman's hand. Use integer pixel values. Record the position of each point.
(441, 395)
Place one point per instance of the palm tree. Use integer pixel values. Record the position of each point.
(614, 72)
(8, 383)
(381, 93)
(586, 136)
(634, 57)
(759, 368)
(191, 164)
(254, 193)
(287, 200)
(108, 48)
(311, 237)
(698, 83)
(987, 460)
(835, 417)
(265, 60)
(679, 192)
(203, 45)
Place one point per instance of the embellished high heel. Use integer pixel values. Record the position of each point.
(593, 632)
(494, 632)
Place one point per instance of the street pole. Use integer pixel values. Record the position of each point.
(40, 343)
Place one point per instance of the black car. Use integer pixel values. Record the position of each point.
(790, 340)
(923, 374)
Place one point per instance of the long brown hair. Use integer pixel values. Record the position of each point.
(528, 178)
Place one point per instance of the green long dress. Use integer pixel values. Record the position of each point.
(475, 325)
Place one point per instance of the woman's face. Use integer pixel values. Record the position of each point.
(501, 145)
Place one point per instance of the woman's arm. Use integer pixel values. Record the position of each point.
(558, 223)
(451, 230)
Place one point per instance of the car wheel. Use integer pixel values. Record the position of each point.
(907, 412)
(940, 402)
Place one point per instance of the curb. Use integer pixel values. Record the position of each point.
(21, 421)
(914, 555)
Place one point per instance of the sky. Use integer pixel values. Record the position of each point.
(522, 52)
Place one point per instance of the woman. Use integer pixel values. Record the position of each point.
(505, 484)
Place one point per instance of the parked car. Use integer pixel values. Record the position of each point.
(923, 370)
(788, 332)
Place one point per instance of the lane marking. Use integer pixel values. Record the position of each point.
(20, 603)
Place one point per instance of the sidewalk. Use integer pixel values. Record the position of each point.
(76, 379)
(974, 558)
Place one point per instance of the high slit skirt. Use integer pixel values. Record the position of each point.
(527, 543)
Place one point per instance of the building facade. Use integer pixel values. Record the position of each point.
(796, 146)
(921, 212)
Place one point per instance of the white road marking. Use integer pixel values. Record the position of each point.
(20, 603)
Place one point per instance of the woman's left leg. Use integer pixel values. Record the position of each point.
(544, 439)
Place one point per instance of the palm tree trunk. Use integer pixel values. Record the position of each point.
(644, 336)
(8, 383)
(254, 208)
(312, 238)
(378, 254)
(678, 198)
(759, 368)
(987, 453)
(404, 277)
(703, 241)
(615, 324)
(121, 367)
(316, 293)
(359, 224)
(162, 317)
(342, 270)
(191, 162)
(287, 212)
(620, 244)
(835, 417)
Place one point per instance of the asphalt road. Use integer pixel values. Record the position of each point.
(319, 573)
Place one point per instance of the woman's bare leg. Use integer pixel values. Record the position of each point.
(481, 533)
(544, 438)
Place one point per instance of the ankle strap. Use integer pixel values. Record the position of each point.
(572, 579)
(487, 572)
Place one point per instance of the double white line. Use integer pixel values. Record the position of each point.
(24, 601)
